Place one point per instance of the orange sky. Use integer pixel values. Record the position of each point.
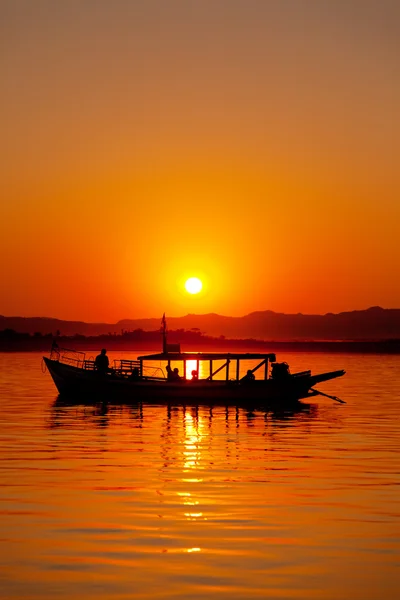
(253, 143)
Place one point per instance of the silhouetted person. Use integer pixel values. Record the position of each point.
(176, 375)
(102, 362)
(170, 375)
(249, 376)
(195, 375)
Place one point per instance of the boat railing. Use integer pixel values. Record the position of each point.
(89, 365)
(133, 369)
(126, 367)
(68, 356)
(153, 372)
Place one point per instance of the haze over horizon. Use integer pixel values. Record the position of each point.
(212, 313)
(249, 143)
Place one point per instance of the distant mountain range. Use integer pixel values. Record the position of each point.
(372, 324)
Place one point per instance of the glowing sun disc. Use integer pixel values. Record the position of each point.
(193, 285)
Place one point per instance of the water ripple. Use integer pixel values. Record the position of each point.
(114, 502)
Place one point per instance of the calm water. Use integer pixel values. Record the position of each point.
(166, 503)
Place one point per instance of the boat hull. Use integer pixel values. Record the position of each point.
(91, 386)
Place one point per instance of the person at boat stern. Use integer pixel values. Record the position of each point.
(101, 362)
(249, 376)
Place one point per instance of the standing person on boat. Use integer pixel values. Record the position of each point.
(102, 362)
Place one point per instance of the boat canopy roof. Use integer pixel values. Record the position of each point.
(206, 356)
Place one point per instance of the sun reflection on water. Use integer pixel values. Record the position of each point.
(192, 441)
(193, 437)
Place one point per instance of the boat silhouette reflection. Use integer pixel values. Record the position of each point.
(69, 409)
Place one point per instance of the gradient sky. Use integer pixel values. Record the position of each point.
(252, 143)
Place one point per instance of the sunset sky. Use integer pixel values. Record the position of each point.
(251, 143)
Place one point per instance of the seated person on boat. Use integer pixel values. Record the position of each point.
(173, 375)
(249, 376)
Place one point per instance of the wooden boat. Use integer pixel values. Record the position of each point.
(222, 378)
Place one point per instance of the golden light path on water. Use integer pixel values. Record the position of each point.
(166, 501)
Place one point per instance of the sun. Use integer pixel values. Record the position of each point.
(193, 285)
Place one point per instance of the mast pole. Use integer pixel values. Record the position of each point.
(164, 333)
